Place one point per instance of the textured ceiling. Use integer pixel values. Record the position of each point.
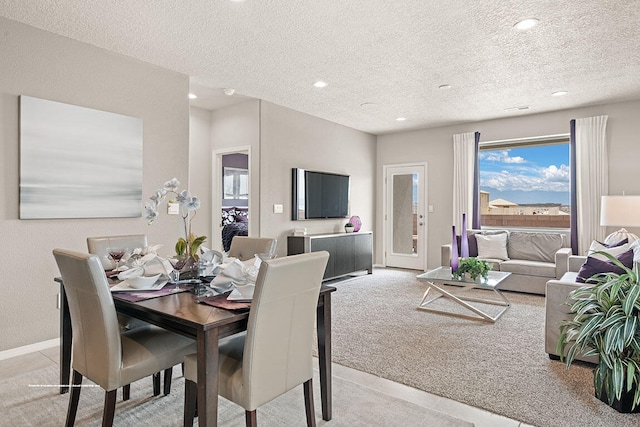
(392, 55)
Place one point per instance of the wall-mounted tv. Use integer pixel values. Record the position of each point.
(319, 195)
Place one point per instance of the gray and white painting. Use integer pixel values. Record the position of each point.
(77, 162)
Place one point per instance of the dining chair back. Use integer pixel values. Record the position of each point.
(102, 353)
(100, 246)
(245, 248)
(275, 354)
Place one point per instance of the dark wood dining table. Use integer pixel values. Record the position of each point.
(181, 313)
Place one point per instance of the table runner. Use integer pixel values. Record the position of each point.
(221, 301)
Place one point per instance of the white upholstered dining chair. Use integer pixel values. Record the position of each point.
(100, 246)
(245, 248)
(275, 354)
(101, 352)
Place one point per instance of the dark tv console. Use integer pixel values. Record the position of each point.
(348, 252)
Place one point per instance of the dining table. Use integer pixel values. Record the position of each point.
(181, 312)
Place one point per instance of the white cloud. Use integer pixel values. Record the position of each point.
(501, 156)
(551, 178)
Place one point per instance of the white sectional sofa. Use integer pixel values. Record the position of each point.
(556, 311)
(533, 258)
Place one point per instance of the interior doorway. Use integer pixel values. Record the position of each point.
(231, 205)
(405, 221)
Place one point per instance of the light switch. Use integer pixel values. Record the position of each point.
(430, 208)
(173, 208)
(277, 208)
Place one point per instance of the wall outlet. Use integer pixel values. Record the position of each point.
(430, 208)
(277, 208)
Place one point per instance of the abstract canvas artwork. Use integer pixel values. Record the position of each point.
(77, 162)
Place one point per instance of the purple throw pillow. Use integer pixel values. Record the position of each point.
(473, 245)
(595, 266)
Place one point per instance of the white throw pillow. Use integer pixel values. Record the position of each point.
(615, 251)
(492, 246)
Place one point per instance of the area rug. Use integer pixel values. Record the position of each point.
(500, 367)
(30, 399)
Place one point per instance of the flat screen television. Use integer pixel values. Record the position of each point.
(319, 195)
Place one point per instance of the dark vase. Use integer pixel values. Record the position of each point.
(623, 405)
(454, 251)
(190, 269)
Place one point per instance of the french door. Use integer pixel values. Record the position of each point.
(405, 221)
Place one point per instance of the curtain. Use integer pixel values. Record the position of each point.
(464, 159)
(574, 192)
(592, 179)
(475, 212)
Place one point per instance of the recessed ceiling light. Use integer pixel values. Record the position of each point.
(444, 87)
(228, 91)
(401, 119)
(320, 83)
(192, 96)
(559, 93)
(526, 24)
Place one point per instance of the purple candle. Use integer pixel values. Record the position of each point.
(454, 251)
(464, 242)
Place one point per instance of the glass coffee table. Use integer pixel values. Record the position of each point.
(442, 276)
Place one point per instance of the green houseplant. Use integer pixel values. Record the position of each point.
(606, 323)
(472, 266)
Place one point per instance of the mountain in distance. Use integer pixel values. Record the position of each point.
(530, 197)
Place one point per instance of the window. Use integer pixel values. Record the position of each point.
(236, 183)
(526, 183)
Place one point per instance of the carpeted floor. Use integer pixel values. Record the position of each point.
(26, 400)
(499, 367)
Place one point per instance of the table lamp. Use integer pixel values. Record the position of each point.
(620, 211)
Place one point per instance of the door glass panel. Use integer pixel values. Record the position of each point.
(405, 202)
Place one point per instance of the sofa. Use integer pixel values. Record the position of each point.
(532, 257)
(556, 309)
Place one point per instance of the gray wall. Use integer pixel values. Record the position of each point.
(290, 139)
(435, 147)
(39, 64)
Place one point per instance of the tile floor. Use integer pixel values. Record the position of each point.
(479, 417)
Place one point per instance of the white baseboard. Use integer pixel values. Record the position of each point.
(31, 348)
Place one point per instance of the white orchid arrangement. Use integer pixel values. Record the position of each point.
(187, 246)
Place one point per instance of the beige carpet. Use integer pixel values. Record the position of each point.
(499, 367)
(24, 401)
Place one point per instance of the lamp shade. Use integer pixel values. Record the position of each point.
(620, 211)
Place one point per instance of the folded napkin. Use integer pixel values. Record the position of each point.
(241, 272)
(210, 260)
(148, 265)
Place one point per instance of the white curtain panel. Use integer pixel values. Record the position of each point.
(592, 180)
(463, 162)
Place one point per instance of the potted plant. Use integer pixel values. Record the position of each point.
(473, 267)
(348, 227)
(606, 323)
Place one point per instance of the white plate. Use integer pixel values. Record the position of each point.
(124, 286)
(242, 293)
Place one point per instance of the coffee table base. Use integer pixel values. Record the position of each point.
(462, 300)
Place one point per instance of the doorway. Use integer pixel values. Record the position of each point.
(231, 207)
(405, 222)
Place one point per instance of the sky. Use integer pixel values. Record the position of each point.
(537, 174)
